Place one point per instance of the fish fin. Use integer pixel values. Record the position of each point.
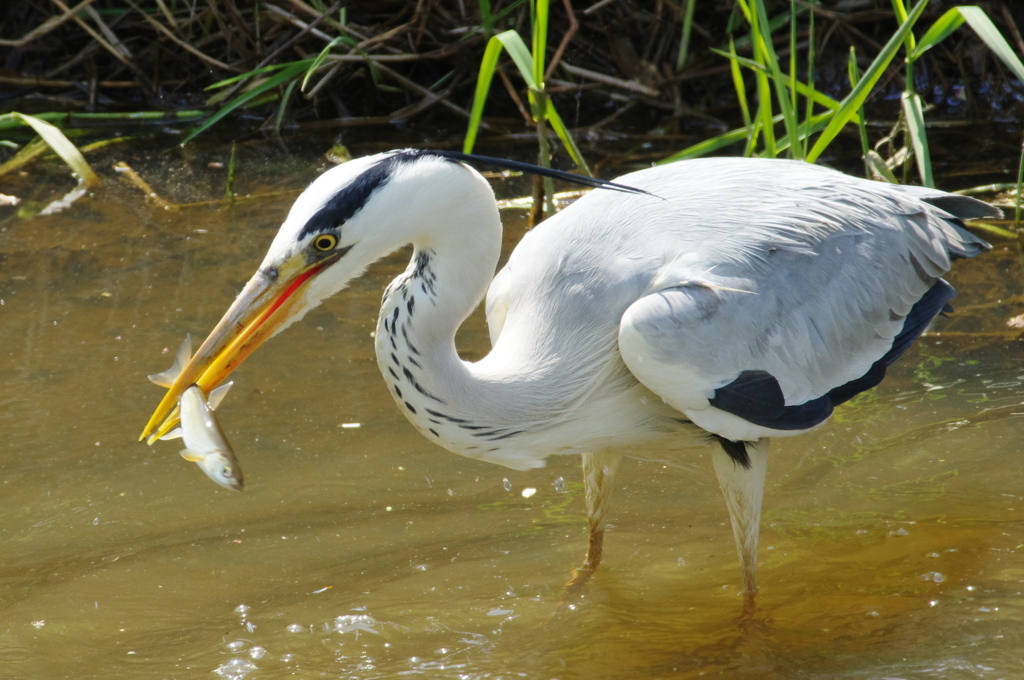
(190, 456)
(217, 395)
(167, 378)
(173, 434)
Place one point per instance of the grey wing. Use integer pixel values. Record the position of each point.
(765, 338)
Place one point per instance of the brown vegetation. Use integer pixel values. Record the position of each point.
(417, 60)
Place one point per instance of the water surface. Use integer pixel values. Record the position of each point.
(891, 540)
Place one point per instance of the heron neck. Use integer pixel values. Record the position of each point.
(422, 309)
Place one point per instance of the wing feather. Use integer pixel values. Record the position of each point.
(830, 269)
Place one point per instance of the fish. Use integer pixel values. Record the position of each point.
(205, 442)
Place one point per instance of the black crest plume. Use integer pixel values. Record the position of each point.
(529, 168)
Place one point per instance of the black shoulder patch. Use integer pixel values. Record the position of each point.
(757, 397)
(752, 395)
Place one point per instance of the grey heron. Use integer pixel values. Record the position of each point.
(717, 301)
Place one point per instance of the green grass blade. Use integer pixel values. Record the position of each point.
(483, 86)
(809, 106)
(322, 57)
(1020, 185)
(806, 90)
(293, 70)
(61, 145)
(764, 98)
(521, 56)
(805, 130)
(774, 24)
(909, 45)
(710, 145)
(563, 134)
(67, 120)
(283, 107)
(754, 133)
(771, 59)
(684, 39)
(255, 72)
(854, 74)
(939, 31)
(737, 81)
(540, 42)
(29, 152)
(754, 66)
(853, 101)
(914, 114)
(486, 17)
(821, 98)
(516, 48)
(792, 55)
(987, 31)
(901, 15)
(745, 8)
(877, 169)
(229, 188)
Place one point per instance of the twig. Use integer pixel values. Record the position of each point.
(515, 96)
(33, 81)
(179, 42)
(423, 104)
(167, 13)
(415, 87)
(324, 81)
(569, 34)
(47, 26)
(395, 58)
(306, 27)
(95, 36)
(1008, 18)
(596, 6)
(611, 80)
(136, 181)
(109, 34)
(336, 24)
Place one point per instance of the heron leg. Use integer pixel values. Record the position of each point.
(743, 488)
(598, 475)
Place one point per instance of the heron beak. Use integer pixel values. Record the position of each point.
(267, 302)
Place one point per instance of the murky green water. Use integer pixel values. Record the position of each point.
(891, 543)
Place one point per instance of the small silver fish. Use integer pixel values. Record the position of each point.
(205, 443)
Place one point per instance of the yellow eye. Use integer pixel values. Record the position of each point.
(325, 242)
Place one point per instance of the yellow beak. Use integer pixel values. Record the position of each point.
(266, 303)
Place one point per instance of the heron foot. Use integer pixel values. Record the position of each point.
(590, 563)
(749, 604)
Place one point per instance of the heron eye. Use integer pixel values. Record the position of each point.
(325, 242)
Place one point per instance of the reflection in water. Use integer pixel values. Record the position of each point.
(891, 538)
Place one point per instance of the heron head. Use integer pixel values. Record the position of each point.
(345, 220)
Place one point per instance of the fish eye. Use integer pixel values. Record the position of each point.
(325, 242)
(226, 470)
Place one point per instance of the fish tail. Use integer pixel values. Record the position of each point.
(167, 378)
